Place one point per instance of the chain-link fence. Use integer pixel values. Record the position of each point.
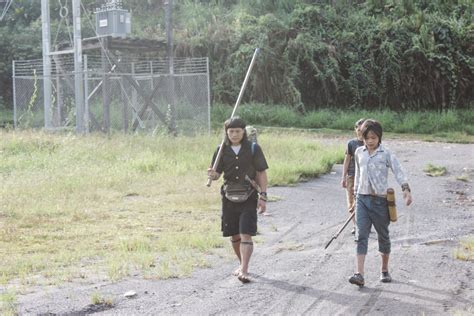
(119, 94)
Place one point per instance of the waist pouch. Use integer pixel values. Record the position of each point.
(238, 192)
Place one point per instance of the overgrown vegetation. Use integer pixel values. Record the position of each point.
(359, 54)
(376, 54)
(465, 250)
(463, 178)
(8, 303)
(419, 122)
(434, 170)
(98, 299)
(455, 126)
(104, 208)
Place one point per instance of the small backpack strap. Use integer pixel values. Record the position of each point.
(254, 145)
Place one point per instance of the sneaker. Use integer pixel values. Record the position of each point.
(385, 277)
(353, 231)
(357, 279)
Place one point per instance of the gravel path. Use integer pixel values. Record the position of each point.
(292, 272)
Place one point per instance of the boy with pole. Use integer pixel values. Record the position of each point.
(373, 161)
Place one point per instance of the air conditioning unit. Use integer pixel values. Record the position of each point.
(112, 20)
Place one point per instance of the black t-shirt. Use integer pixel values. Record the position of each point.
(236, 166)
(352, 145)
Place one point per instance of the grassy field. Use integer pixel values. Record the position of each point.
(6, 117)
(99, 207)
(452, 125)
(455, 126)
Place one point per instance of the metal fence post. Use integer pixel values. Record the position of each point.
(86, 99)
(208, 96)
(14, 95)
(78, 80)
(46, 40)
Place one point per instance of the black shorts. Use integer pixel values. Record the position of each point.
(239, 218)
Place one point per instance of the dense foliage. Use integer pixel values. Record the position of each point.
(376, 54)
(459, 123)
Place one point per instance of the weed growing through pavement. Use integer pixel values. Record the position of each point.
(8, 303)
(434, 171)
(463, 177)
(98, 299)
(465, 251)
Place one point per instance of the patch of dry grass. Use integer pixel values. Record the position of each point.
(434, 171)
(465, 251)
(98, 207)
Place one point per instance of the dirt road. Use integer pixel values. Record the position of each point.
(292, 272)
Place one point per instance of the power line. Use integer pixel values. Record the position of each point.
(8, 3)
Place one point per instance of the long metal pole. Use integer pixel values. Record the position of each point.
(47, 90)
(78, 68)
(242, 89)
(340, 230)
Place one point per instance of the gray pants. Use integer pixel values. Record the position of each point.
(372, 210)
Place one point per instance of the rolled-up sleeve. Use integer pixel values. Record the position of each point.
(357, 170)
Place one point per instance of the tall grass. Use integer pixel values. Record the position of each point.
(107, 207)
(435, 123)
(8, 303)
(451, 125)
(6, 117)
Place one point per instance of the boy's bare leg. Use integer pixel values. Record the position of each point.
(385, 257)
(246, 249)
(235, 240)
(360, 264)
(351, 200)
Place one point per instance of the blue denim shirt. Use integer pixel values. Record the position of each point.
(372, 170)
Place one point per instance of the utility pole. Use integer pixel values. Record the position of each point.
(47, 90)
(78, 67)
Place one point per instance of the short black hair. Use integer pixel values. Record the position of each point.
(374, 126)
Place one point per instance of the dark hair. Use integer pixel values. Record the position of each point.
(359, 122)
(235, 122)
(374, 126)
